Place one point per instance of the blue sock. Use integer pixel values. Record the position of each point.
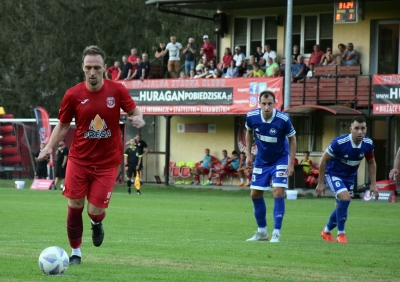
(260, 212)
(341, 214)
(279, 212)
(332, 223)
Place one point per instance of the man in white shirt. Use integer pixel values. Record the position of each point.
(240, 59)
(268, 53)
(174, 49)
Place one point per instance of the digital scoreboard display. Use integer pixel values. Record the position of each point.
(346, 11)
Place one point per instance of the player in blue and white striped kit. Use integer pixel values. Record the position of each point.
(276, 144)
(338, 169)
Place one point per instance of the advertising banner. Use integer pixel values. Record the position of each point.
(219, 96)
(384, 196)
(43, 127)
(386, 94)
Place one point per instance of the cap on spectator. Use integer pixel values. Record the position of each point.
(205, 37)
(349, 44)
(237, 47)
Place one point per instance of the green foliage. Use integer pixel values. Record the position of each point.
(41, 43)
(177, 234)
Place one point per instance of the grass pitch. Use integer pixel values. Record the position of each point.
(177, 234)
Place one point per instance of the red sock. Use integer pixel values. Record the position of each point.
(74, 227)
(97, 217)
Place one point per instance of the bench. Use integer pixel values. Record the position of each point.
(325, 71)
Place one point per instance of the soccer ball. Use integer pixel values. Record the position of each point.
(53, 261)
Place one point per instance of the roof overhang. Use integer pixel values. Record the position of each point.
(225, 5)
(309, 109)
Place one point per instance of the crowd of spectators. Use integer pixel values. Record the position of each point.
(261, 64)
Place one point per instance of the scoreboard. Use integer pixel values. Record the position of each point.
(346, 12)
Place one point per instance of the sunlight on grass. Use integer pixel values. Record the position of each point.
(177, 234)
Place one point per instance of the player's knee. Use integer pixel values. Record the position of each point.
(279, 192)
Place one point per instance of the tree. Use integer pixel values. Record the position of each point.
(42, 43)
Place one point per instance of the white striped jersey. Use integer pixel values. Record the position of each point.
(347, 156)
(271, 135)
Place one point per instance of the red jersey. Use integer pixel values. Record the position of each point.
(133, 60)
(97, 138)
(114, 72)
(208, 50)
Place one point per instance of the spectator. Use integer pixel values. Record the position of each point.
(208, 49)
(250, 68)
(240, 59)
(61, 163)
(307, 163)
(299, 70)
(328, 58)
(258, 55)
(271, 66)
(113, 72)
(126, 68)
(133, 59)
(257, 71)
(215, 74)
(204, 167)
(174, 49)
(145, 65)
(315, 57)
(242, 170)
(276, 72)
(295, 54)
(190, 57)
(41, 170)
(192, 73)
(231, 165)
(182, 75)
(204, 74)
(348, 57)
(142, 71)
(268, 53)
(226, 59)
(163, 57)
(232, 71)
(211, 66)
(216, 168)
(201, 65)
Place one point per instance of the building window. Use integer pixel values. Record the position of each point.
(250, 33)
(309, 133)
(309, 30)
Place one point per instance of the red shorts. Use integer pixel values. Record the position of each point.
(205, 170)
(92, 182)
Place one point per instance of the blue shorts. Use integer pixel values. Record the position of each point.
(262, 176)
(338, 185)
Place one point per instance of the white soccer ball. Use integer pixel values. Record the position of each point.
(53, 261)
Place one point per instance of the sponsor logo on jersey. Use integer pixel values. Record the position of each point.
(267, 138)
(98, 129)
(110, 102)
(84, 101)
(281, 174)
(280, 167)
(257, 170)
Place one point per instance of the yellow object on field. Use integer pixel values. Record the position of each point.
(137, 181)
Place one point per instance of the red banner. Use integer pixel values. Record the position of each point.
(221, 96)
(386, 94)
(43, 126)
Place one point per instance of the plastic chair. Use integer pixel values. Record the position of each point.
(185, 173)
(176, 173)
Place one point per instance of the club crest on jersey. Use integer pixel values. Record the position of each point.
(110, 102)
(97, 129)
(272, 131)
(361, 155)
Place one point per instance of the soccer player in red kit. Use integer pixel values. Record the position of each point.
(96, 150)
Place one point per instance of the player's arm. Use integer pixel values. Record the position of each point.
(372, 176)
(136, 117)
(126, 160)
(249, 138)
(395, 171)
(57, 135)
(139, 160)
(292, 154)
(321, 176)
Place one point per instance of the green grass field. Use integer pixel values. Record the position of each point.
(177, 234)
